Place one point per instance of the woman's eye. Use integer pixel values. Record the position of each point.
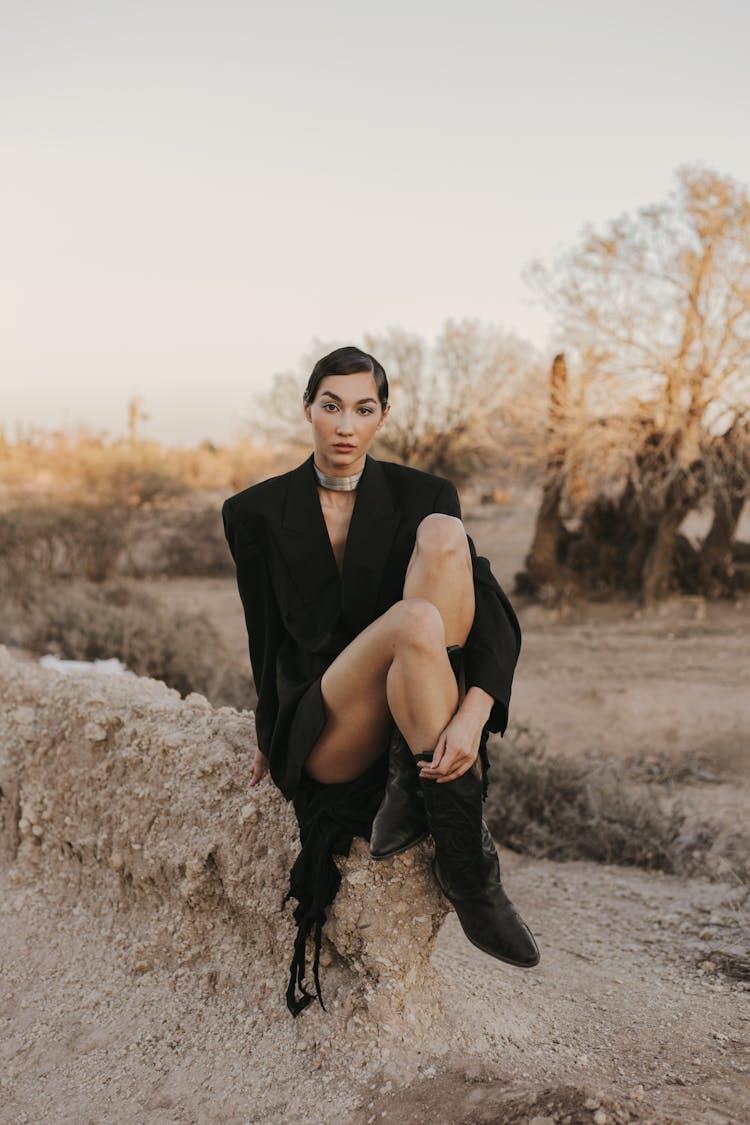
(333, 406)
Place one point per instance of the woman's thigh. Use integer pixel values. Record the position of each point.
(354, 692)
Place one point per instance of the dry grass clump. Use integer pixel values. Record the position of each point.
(574, 809)
(732, 964)
(79, 620)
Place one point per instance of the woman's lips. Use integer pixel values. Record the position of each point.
(343, 447)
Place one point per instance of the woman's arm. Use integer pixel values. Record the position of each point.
(265, 629)
(494, 642)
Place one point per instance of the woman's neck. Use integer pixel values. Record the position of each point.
(337, 482)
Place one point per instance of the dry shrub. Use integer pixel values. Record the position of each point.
(127, 476)
(78, 620)
(184, 543)
(573, 809)
(100, 542)
(65, 540)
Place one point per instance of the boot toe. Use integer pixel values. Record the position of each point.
(516, 941)
(503, 935)
(397, 839)
(491, 923)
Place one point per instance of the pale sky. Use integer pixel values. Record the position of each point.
(192, 193)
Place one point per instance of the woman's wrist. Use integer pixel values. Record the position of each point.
(478, 704)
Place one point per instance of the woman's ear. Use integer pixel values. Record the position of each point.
(386, 409)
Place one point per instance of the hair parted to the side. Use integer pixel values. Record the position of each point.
(347, 361)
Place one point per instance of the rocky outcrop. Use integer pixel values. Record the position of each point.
(137, 803)
(131, 806)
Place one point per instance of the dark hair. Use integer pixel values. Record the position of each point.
(347, 361)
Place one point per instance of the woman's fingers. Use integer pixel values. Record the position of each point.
(448, 762)
(455, 752)
(427, 769)
(438, 753)
(260, 762)
(452, 766)
(454, 773)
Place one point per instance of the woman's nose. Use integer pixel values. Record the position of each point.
(345, 425)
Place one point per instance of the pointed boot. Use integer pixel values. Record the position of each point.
(401, 820)
(467, 869)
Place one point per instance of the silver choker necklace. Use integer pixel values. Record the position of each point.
(338, 484)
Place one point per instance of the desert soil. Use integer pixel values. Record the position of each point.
(627, 1017)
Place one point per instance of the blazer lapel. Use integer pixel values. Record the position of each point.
(304, 542)
(373, 525)
(308, 552)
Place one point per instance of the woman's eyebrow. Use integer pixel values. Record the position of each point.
(359, 400)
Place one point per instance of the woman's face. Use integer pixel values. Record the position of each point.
(345, 417)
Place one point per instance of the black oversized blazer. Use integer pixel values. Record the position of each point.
(300, 612)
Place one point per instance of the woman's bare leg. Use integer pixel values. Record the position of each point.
(398, 667)
(440, 570)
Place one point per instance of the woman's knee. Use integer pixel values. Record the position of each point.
(418, 623)
(440, 535)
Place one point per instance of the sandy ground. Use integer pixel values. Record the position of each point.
(621, 1006)
(625, 1008)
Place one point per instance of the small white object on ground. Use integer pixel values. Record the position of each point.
(112, 666)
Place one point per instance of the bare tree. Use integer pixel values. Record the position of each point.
(656, 314)
(542, 559)
(453, 404)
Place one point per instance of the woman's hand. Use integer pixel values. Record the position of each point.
(260, 765)
(455, 750)
(457, 747)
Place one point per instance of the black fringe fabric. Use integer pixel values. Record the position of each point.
(329, 817)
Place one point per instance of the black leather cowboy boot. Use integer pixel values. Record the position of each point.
(401, 820)
(467, 868)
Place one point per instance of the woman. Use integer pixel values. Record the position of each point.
(383, 652)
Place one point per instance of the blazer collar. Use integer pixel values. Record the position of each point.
(308, 548)
(300, 513)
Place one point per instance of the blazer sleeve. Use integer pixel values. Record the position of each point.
(494, 642)
(265, 629)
